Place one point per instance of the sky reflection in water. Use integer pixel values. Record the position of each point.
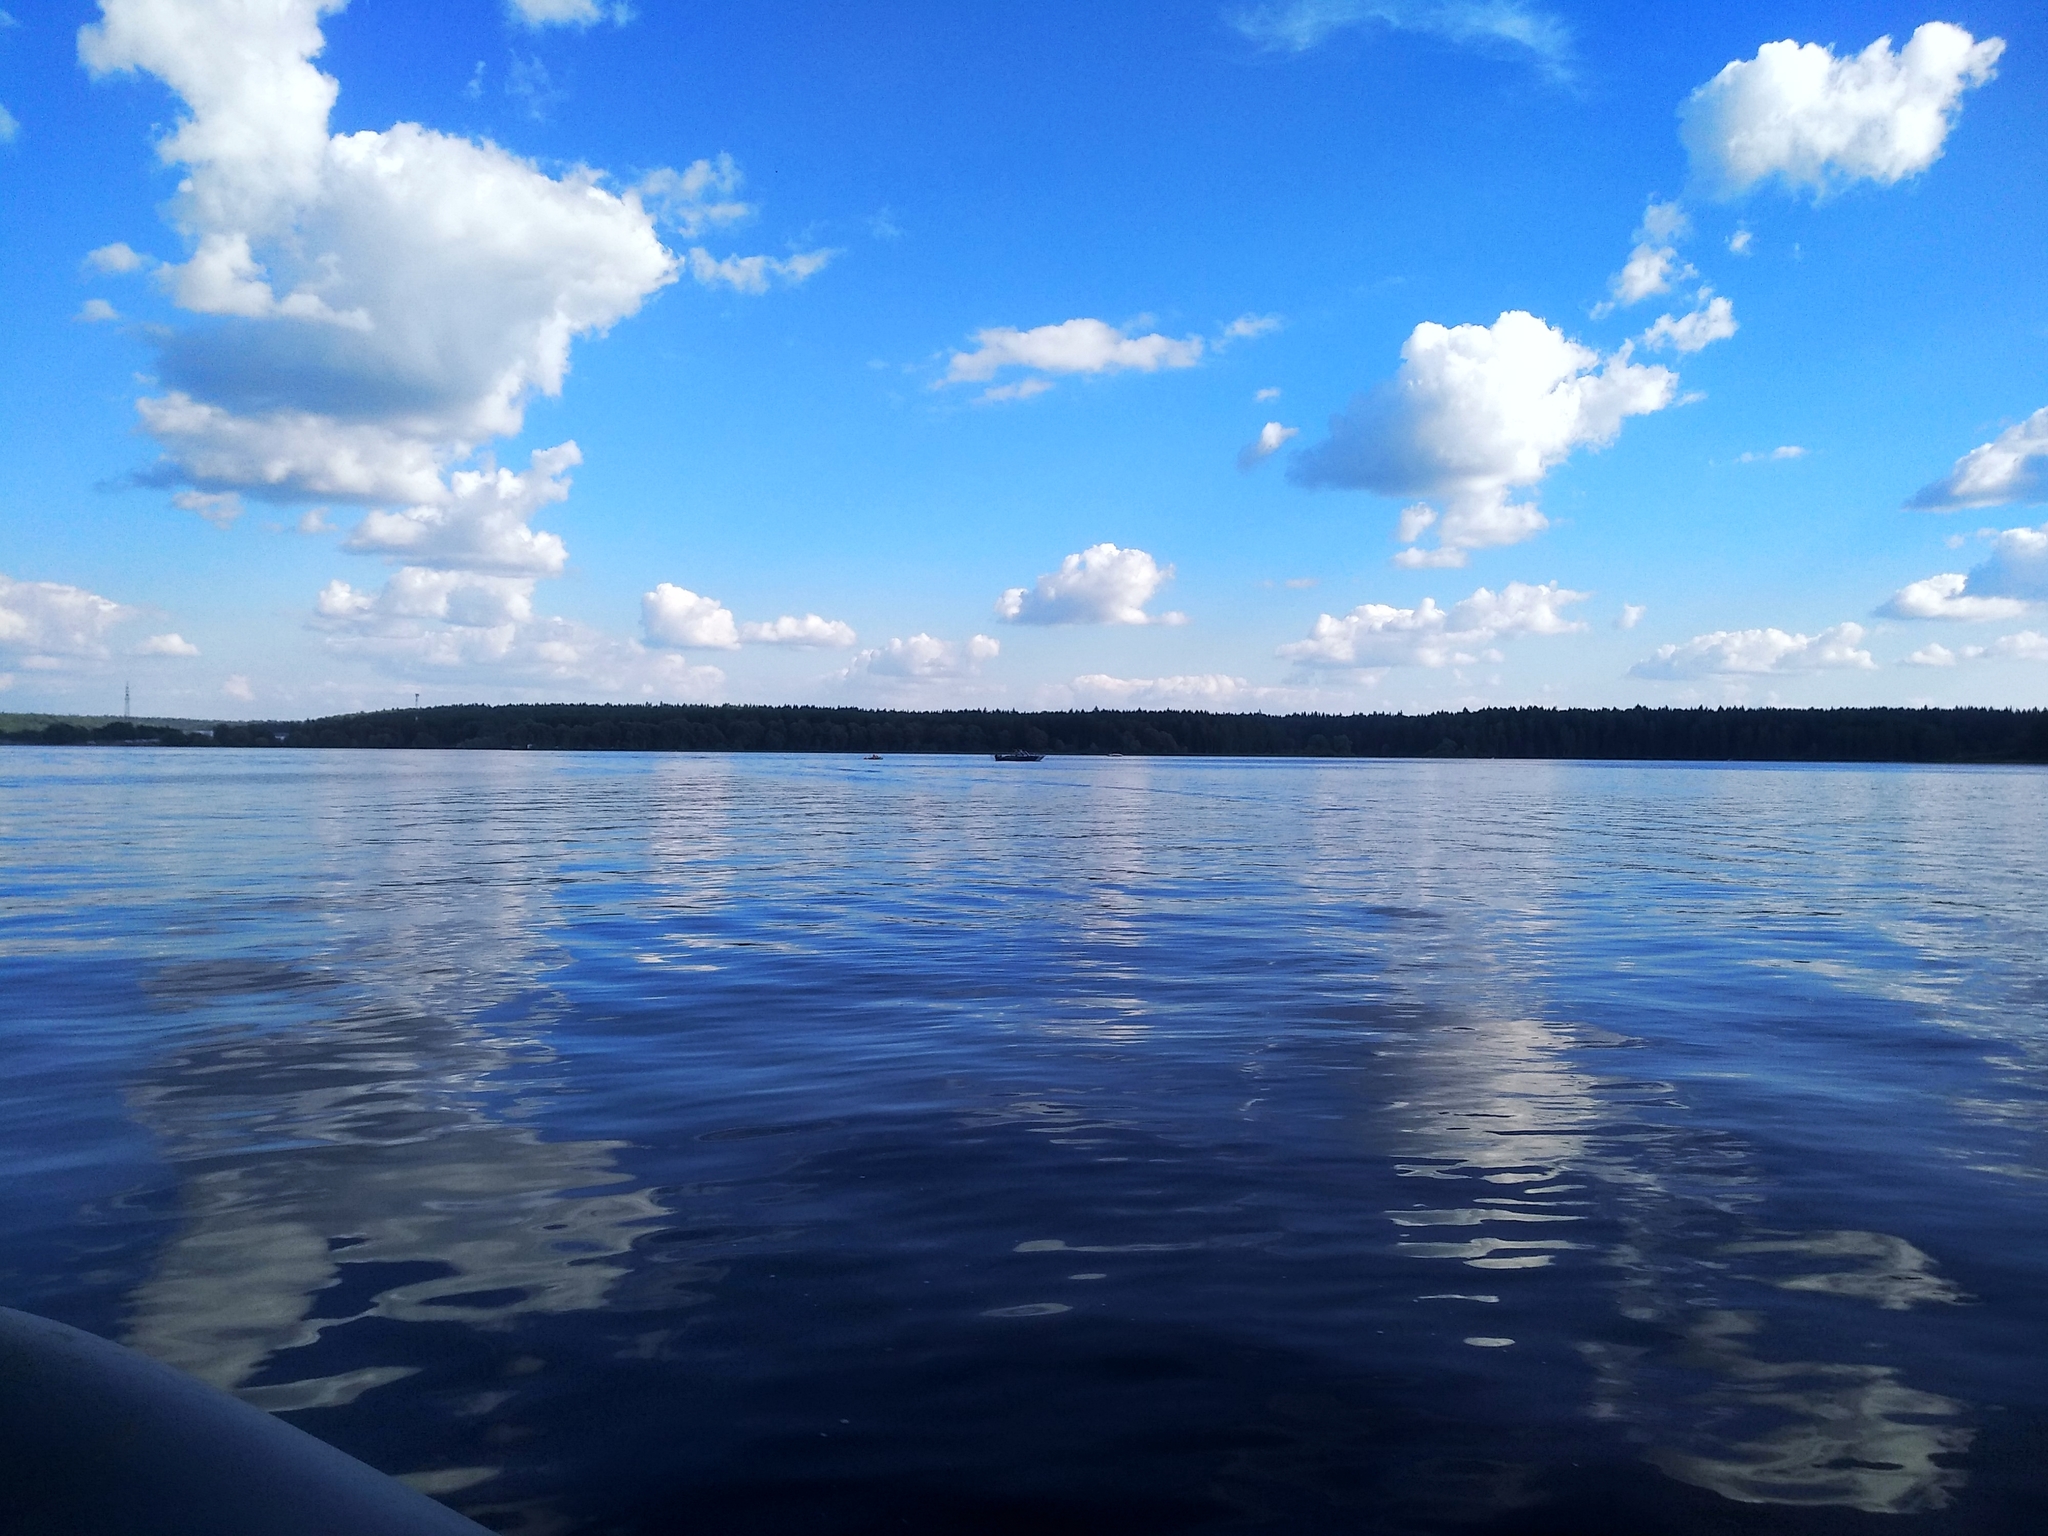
(627, 1143)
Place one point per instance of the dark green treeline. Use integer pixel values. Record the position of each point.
(1709, 735)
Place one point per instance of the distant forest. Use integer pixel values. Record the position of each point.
(1677, 735)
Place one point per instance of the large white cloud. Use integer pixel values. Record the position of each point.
(2012, 467)
(1475, 412)
(1070, 347)
(1511, 26)
(1381, 635)
(46, 624)
(1817, 121)
(1101, 585)
(1757, 652)
(387, 301)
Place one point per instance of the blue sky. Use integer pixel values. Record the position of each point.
(1315, 354)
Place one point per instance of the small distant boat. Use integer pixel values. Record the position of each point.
(1019, 755)
(872, 757)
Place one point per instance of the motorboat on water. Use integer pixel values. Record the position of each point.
(1019, 755)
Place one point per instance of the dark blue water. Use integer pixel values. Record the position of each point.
(649, 1144)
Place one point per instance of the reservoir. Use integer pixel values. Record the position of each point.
(630, 1144)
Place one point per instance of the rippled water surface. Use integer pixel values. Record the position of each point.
(783, 1144)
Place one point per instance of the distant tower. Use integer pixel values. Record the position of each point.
(126, 701)
(415, 701)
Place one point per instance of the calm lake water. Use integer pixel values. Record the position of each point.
(802, 1144)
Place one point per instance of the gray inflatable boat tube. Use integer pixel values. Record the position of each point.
(96, 1440)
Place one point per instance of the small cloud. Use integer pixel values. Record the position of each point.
(1072, 346)
(219, 508)
(1263, 395)
(237, 687)
(1023, 389)
(1630, 616)
(475, 89)
(750, 274)
(1302, 583)
(882, 226)
(314, 520)
(96, 312)
(675, 616)
(167, 645)
(568, 13)
(1249, 328)
(1740, 242)
(1776, 455)
(1271, 439)
(10, 129)
(808, 631)
(1714, 320)
(528, 82)
(116, 259)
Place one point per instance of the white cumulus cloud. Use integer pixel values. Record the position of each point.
(1474, 413)
(1776, 455)
(219, 508)
(167, 645)
(1271, 439)
(1204, 690)
(924, 656)
(1101, 585)
(1947, 596)
(482, 522)
(1081, 346)
(2012, 467)
(676, 616)
(1249, 328)
(1653, 265)
(1630, 616)
(1756, 652)
(116, 259)
(703, 195)
(1713, 320)
(2027, 645)
(1817, 121)
(96, 312)
(809, 631)
(47, 624)
(1381, 635)
(385, 302)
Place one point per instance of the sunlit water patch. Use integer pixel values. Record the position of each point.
(646, 1144)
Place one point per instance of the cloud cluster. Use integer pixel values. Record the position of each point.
(1474, 413)
(1205, 690)
(1947, 596)
(2027, 645)
(1757, 652)
(2012, 467)
(1380, 635)
(1818, 122)
(1513, 26)
(1101, 585)
(675, 616)
(1081, 346)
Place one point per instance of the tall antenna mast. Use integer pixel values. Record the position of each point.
(126, 701)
